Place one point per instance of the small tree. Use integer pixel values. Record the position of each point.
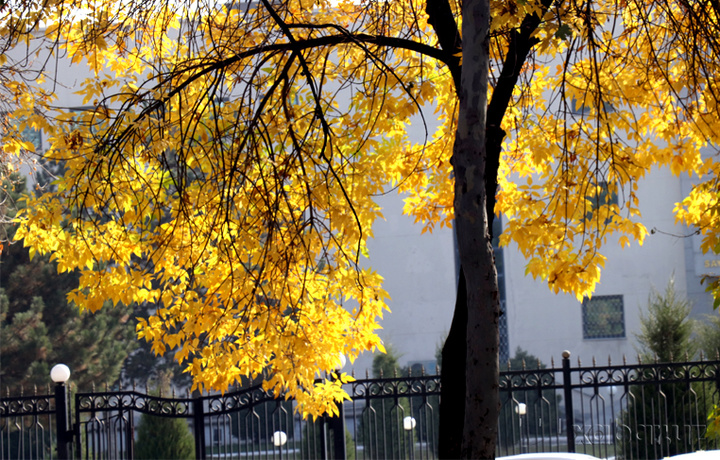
(381, 426)
(666, 336)
(708, 335)
(666, 330)
(164, 437)
(541, 408)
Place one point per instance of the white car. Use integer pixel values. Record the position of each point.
(700, 455)
(549, 456)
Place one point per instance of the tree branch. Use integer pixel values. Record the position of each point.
(441, 18)
(521, 42)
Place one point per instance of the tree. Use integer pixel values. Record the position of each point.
(666, 336)
(164, 437)
(239, 152)
(708, 336)
(381, 425)
(40, 328)
(666, 330)
(540, 418)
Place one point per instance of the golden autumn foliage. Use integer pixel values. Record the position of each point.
(227, 164)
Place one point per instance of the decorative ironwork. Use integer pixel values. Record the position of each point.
(629, 411)
(237, 401)
(133, 401)
(27, 405)
(542, 379)
(394, 387)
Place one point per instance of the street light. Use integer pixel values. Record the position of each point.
(279, 438)
(521, 410)
(60, 374)
(342, 360)
(409, 425)
(337, 423)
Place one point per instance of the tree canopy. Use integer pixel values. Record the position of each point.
(229, 155)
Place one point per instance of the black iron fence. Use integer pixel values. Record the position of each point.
(637, 411)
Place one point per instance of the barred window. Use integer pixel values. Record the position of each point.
(603, 317)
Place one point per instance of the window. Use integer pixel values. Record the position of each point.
(603, 317)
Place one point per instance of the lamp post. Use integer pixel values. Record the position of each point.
(338, 423)
(60, 374)
(521, 410)
(279, 438)
(409, 426)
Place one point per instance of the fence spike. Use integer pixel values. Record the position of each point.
(395, 374)
(367, 374)
(639, 359)
(106, 387)
(93, 387)
(687, 356)
(34, 389)
(173, 390)
(609, 360)
(509, 365)
(656, 358)
(422, 370)
(624, 360)
(717, 354)
(352, 373)
(538, 364)
(133, 385)
(594, 362)
(579, 363)
(552, 362)
(523, 364)
(381, 373)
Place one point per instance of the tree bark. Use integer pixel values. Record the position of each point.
(452, 378)
(474, 243)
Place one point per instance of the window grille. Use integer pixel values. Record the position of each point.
(603, 317)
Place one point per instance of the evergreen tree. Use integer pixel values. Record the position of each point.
(381, 425)
(666, 330)
(40, 328)
(708, 336)
(541, 407)
(161, 438)
(666, 336)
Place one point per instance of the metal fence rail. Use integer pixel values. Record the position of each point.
(638, 411)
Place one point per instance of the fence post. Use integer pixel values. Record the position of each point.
(199, 424)
(338, 427)
(569, 417)
(60, 374)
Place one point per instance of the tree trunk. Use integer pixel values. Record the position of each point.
(452, 377)
(474, 243)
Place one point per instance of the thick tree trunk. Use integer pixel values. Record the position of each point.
(452, 376)
(474, 233)
(474, 243)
